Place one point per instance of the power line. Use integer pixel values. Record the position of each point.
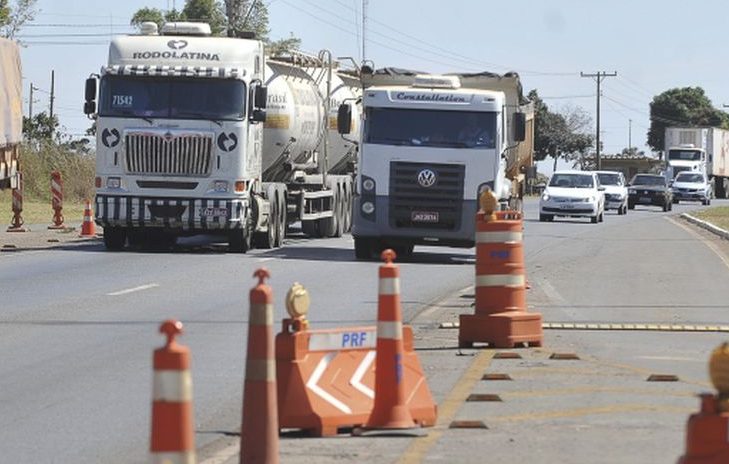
(599, 77)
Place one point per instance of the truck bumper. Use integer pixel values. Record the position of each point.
(379, 226)
(181, 214)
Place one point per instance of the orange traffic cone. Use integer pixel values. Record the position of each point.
(259, 430)
(173, 439)
(88, 228)
(390, 413)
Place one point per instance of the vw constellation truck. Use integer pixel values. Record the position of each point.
(430, 145)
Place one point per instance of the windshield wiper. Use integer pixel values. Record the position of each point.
(206, 117)
(135, 115)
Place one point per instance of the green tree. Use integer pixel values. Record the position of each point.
(560, 134)
(40, 127)
(155, 15)
(687, 106)
(247, 15)
(13, 18)
(206, 11)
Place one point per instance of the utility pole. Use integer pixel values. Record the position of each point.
(53, 94)
(30, 101)
(364, 27)
(599, 76)
(630, 134)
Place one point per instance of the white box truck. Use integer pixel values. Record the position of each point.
(11, 114)
(431, 144)
(699, 149)
(205, 135)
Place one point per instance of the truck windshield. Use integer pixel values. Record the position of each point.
(684, 155)
(169, 97)
(432, 128)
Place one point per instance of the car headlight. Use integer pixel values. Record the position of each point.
(545, 197)
(368, 207)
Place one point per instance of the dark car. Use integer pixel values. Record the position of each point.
(650, 190)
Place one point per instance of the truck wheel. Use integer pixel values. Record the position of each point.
(267, 239)
(363, 248)
(282, 226)
(114, 238)
(348, 207)
(239, 240)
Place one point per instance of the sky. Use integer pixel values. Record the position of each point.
(653, 46)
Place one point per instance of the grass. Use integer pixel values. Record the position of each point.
(718, 215)
(38, 212)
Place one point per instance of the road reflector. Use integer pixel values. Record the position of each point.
(564, 356)
(496, 377)
(467, 424)
(483, 397)
(662, 378)
(507, 355)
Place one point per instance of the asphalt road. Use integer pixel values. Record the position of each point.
(78, 325)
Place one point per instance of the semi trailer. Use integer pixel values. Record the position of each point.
(703, 150)
(11, 115)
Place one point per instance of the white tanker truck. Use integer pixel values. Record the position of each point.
(205, 135)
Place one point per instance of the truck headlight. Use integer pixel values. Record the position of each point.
(113, 182)
(368, 207)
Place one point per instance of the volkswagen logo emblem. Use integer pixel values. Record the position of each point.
(427, 178)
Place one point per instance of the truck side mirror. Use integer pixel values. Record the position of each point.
(519, 127)
(344, 119)
(90, 96)
(260, 98)
(258, 115)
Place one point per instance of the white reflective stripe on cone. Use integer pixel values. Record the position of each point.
(392, 330)
(261, 370)
(261, 314)
(389, 286)
(174, 458)
(500, 280)
(173, 386)
(499, 237)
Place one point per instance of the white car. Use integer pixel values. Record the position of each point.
(573, 194)
(616, 190)
(691, 186)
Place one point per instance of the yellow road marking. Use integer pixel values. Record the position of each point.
(579, 412)
(448, 408)
(591, 389)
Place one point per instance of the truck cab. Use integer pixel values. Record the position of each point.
(686, 158)
(429, 148)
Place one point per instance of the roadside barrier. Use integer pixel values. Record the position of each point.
(16, 224)
(500, 317)
(57, 200)
(259, 428)
(173, 438)
(707, 432)
(88, 228)
(327, 380)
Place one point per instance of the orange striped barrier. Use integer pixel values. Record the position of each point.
(326, 378)
(16, 224)
(57, 200)
(88, 228)
(500, 317)
(259, 429)
(173, 439)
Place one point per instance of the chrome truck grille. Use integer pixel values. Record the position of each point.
(169, 154)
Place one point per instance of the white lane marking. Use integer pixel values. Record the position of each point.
(706, 242)
(326, 396)
(224, 455)
(551, 292)
(356, 380)
(134, 289)
(263, 260)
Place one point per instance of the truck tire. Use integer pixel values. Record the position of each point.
(363, 248)
(282, 225)
(267, 239)
(239, 240)
(114, 238)
(347, 207)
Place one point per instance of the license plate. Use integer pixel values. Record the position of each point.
(645, 199)
(212, 212)
(567, 206)
(424, 216)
